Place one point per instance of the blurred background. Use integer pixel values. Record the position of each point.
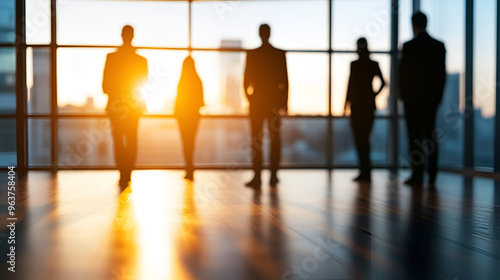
(67, 43)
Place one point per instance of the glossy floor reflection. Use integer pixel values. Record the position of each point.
(314, 225)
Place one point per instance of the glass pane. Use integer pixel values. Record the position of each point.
(340, 80)
(38, 80)
(223, 142)
(38, 142)
(89, 142)
(447, 24)
(7, 21)
(37, 21)
(449, 123)
(80, 79)
(361, 18)
(405, 25)
(165, 69)
(404, 150)
(227, 141)
(344, 149)
(303, 142)
(8, 142)
(308, 79)
(449, 120)
(7, 81)
(222, 77)
(84, 142)
(156, 23)
(220, 142)
(484, 82)
(294, 24)
(160, 143)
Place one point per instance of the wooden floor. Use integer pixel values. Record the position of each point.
(314, 225)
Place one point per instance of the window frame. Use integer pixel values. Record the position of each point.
(394, 117)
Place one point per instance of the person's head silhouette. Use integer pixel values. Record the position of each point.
(363, 48)
(419, 21)
(265, 33)
(127, 35)
(188, 66)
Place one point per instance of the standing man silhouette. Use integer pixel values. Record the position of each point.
(422, 79)
(266, 87)
(124, 73)
(361, 98)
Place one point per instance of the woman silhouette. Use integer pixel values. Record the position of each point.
(187, 105)
(361, 98)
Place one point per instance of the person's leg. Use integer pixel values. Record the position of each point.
(256, 123)
(132, 124)
(362, 123)
(194, 131)
(431, 144)
(366, 131)
(191, 133)
(417, 156)
(356, 132)
(274, 125)
(118, 133)
(188, 128)
(184, 131)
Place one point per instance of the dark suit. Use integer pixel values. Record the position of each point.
(422, 79)
(362, 99)
(266, 72)
(124, 72)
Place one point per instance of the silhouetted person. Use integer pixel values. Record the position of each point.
(266, 87)
(124, 72)
(187, 105)
(422, 79)
(361, 97)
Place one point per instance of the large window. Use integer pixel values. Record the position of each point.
(216, 34)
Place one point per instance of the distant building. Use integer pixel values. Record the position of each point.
(449, 120)
(7, 84)
(38, 81)
(7, 90)
(7, 21)
(484, 139)
(231, 78)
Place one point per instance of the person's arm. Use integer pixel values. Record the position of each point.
(106, 76)
(285, 84)
(348, 93)
(247, 76)
(379, 74)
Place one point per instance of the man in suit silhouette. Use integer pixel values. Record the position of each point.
(266, 87)
(124, 73)
(422, 79)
